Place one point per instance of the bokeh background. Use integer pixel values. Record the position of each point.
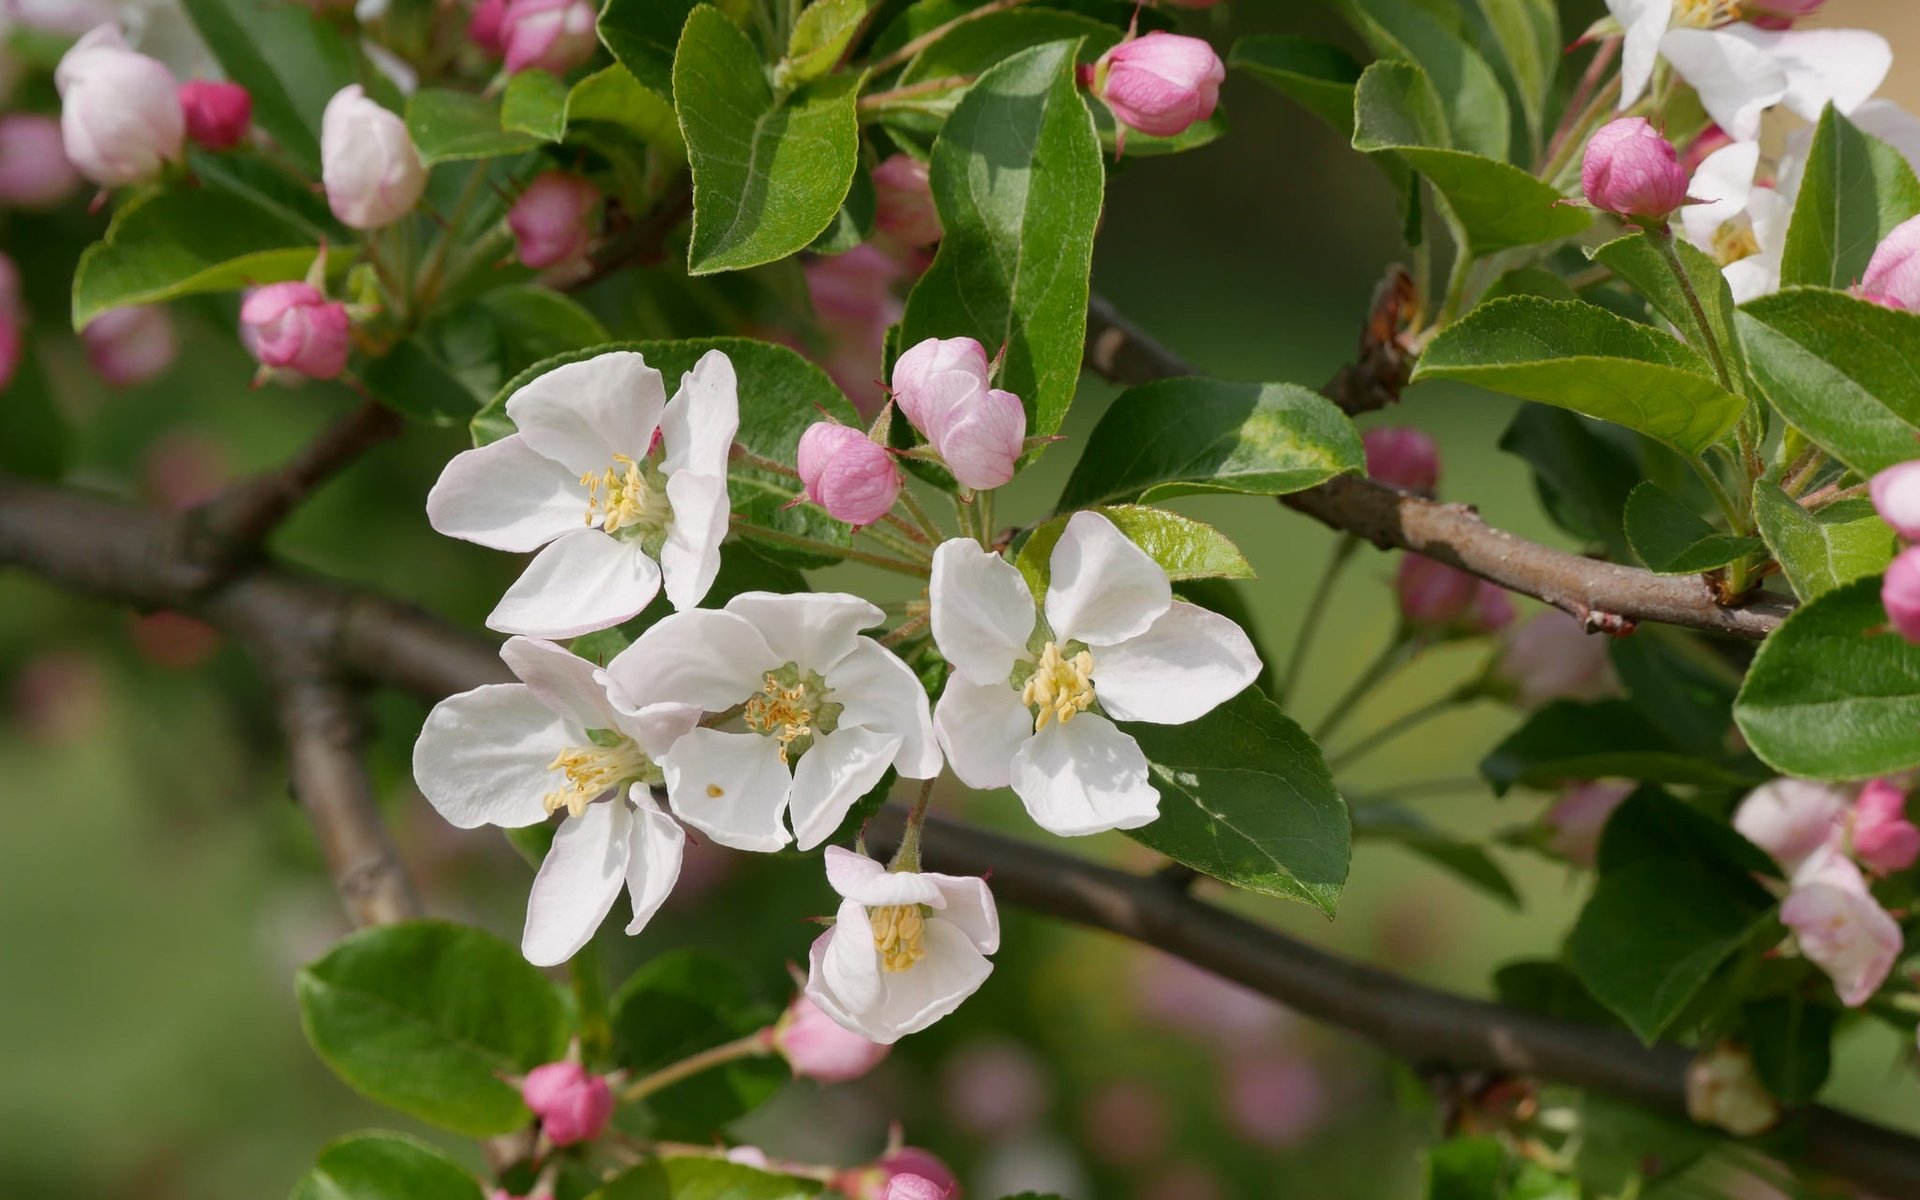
(158, 889)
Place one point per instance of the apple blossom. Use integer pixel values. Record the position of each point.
(573, 1104)
(808, 714)
(1900, 594)
(944, 388)
(514, 754)
(1724, 1090)
(847, 473)
(1402, 457)
(1577, 819)
(617, 488)
(34, 171)
(129, 346)
(550, 35)
(1791, 818)
(292, 326)
(1894, 270)
(1632, 171)
(120, 112)
(1035, 709)
(1840, 927)
(1161, 83)
(1883, 838)
(1896, 497)
(372, 174)
(903, 201)
(553, 221)
(818, 1047)
(906, 947)
(218, 114)
(1552, 657)
(1739, 223)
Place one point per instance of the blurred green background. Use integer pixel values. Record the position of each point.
(158, 889)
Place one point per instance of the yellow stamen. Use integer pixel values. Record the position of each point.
(592, 771)
(1059, 687)
(620, 497)
(897, 933)
(1734, 241)
(1704, 14)
(779, 712)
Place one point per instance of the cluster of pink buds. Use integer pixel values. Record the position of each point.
(123, 118)
(1630, 170)
(944, 388)
(573, 1104)
(1161, 84)
(1437, 600)
(544, 35)
(292, 329)
(1896, 496)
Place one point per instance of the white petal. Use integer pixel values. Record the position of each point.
(1839, 66)
(970, 909)
(730, 786)
(712, 659)
(1103, 587)
(835, 771)
(933, 987)
(1752, 278)
(1724, 182)
(981, 726)
(506, 496)
(1771, 213)
(582, 582)
(561, 680)
(1084, 777)
(655, 842)
(690, 557)
(1891, 124)
(698, 425)
(1737, 80)
(482, 756)
(982, 610)
(1188, 663)
(1645, 21)
(586, 412)
(814, 629)
(579, 878)
(864, 881)
(879, 692)
(656, 727)
(844, 963)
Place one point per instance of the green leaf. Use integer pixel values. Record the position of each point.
(1318, 75)
(642, 34)
(1680, 684)
(1821, 550)
(1855, 189)
(290, 59)
(536, 104)
(445, 372)
(1637, 259)
(1583, 472)
(616, 97)
(679, 1004)
(781, 394)
(974, 46)
(35, 442)
(1652, 825)
(180, 242)
(448, 126)
(287, 196)
(1184, 548)
(822, 34)
(1622, 1148)
(1464, 1169)
(1791, 1042)
(1176, 437)
(1550, 989)
(426, 1017)
(1525, 38)
(1466, 92)
(1609, 739)
(1471, 863)
(385, 1166)
(1834, 694)
(1018, 181)
(1246, 798)
(769, 172)
(1844, 371)
(1671, 539)
(1582, 357)
(704, 1179)
(1499, 206)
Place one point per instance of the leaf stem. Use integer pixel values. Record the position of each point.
(907, 857)
(1662, 238)
(873, 101)
(919, 514)
(1396, 654)
(781, 538)
(1316, 609)
(1399, 725)
(754, 1045)
(741, 454)
(910, 551)
(909, 49)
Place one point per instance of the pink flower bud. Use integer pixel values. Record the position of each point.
(903, 201)
(372, 173)
(1576, 820)
(1791, 819)
(483, 30)
(573, 1106)
(1492, 609)
(1840, 926)
(1632, 171)
(1434, 596)
(1900, 593)
(218, 114)
(1402, 457)
(1883, 838)
(1896, 497)
(129, 346)
(550, 35)
(119, 111)
(914, 1187)
(943, 387)
(1161, 83)
(1893, 273)
(815, 1045)
(553, 221)
(34, 171)
(936, 376)
(875, 1180)
(847, 473)
(293, 327)
(981, 441)
(1552, 657)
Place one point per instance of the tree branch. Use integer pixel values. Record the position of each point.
(1603, 596)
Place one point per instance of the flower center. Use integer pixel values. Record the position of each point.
(630, 494)
(1704, 14)
(792, 706)
(1734, 241)
(1059, 687)
(897, 933)
(595, 769)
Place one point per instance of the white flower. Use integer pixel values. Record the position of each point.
(1793, 819)
(813, 714)
(1025, 709)
(1742, 224)
(905, 949)
(608, 475)
(1840, 927)
(513, 754)
(1740, 70)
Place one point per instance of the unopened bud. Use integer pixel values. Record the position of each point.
(1893, 273)
(1632, 171)
(1896, 497)
(548, 35)
(372, 174)
(1552, 657)
(1433, 596)
(218, 114)
(1900, 593)
(1160, 84)
(120, 113)
(129, 346)
(818, 1047)
(1883, 837)
(903, 201)
(573, 1105)
(1402, 457)
(914, 1187)
(847, 473)
(34, 171)
(483, 29)
(875, 1181)
(1791, 818)
(553, 220)
(293, 327)
(945, 390)
(1492, 609)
